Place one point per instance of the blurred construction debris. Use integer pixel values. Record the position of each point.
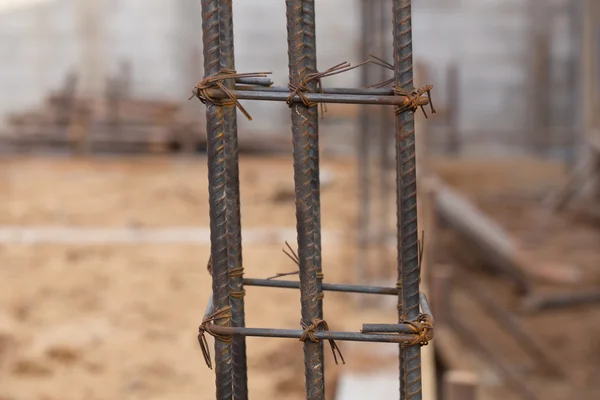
(118, 122)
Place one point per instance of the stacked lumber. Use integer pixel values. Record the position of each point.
(117, 122)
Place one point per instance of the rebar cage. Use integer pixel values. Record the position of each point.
(220, 90)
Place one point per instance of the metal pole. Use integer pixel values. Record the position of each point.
(406, 178)
(215, 125)
(453, 109)
(365, 120)
(332, 287)
(232, 211)
(301, 53)
(385, 140)
(319, 334)
(272, 94)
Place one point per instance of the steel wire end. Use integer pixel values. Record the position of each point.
(292, 256)
(222, 314)
(302, 87)
(201, 90)
(414, 99)
(309, 334)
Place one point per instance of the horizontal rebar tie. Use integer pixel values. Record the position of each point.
(408, 333)
(255, 86)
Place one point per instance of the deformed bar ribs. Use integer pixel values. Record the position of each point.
(302, 60)
(215, 125)
(232, 203)
(220, 90)
(406, 199)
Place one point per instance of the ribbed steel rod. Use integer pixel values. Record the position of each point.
(331, 287)
(310, 62)
(363, 229)
(351, 91)
(232, 201)
(306, 175)
(268, 95)
(215, 124)
(406, 198)
(321, 335)
(400, 328)
(386, 140)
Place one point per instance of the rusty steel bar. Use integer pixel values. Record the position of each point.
(406, 181)
(232, 211)
(426, 307)
(215, 124)
(331, 287)
(365, 121)
(271, 94)
(310, 60)
(350, 91)
(387, 328)
(402, 338)
(401, 328)
(254, 81)
(453, 146)
(385, 138)
(304, 123)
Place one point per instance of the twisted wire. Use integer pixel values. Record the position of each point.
(309, 334)
(408, 238)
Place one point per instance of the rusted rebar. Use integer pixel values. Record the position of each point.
(301, 54)
(332, 287)
(364, 171)
(275, 94)
(232, 203)
(215, 124)
(385, 139)
(229, 331)
(406, 200)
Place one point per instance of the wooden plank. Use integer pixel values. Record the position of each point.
(495, 245)
(491, 243)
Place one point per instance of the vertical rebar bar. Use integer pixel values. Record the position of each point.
(302, 59)
(385, 139)
(365, 120)
(310, 58)
(215, 126)
(233, 215)
(406, 178)
(453, 109)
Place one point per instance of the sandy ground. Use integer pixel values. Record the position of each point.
(120, 321)
(512, 196)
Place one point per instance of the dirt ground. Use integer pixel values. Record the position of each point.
(512, 196)
(120, 321)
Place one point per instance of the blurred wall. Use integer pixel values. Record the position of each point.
(41, 40)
